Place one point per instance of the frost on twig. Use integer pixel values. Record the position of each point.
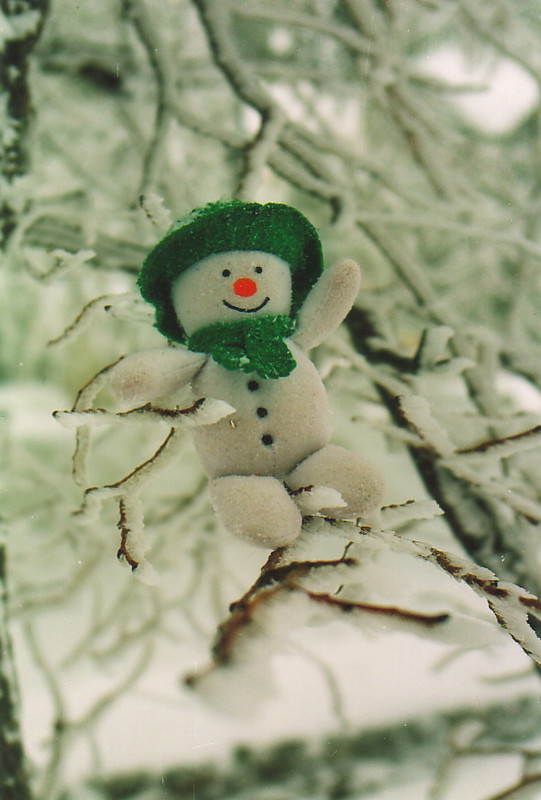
(58, 262)
(291, 592)
(310, 499)
(393, 516)
(435, 438)
(153, 206)
(512, 606)
(417, 410)
(133, 544)
(85, 396)
(285, 596)
(205, 411)
(504, 447)
(86, 315)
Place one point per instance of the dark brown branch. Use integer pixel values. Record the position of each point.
(394, 612)
(14, 64)
(483, 447)
(123, 553)
(14, 783)
(137, 469)
(300, 490)
(165, 413)
(104, 301)
(277, 578)
(92, 382)
(287, 574)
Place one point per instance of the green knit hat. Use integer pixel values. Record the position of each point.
(273, 228)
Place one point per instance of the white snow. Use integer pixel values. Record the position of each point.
(503, 92)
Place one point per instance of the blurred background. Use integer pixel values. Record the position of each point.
(408, 132)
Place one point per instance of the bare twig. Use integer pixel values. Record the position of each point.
(85, 316)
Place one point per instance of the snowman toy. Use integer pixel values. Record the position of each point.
(241, 287)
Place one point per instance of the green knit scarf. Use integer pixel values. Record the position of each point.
(251, 345)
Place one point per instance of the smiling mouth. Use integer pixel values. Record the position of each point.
(247, 310)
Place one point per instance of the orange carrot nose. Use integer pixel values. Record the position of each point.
(245, 287)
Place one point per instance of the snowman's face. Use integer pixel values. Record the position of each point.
(227, 287)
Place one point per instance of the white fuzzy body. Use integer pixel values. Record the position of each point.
(298, 419)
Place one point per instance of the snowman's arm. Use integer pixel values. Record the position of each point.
(327, 304)
(147, 376)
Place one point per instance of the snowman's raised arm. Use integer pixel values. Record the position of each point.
(152, 374)
(327, 303)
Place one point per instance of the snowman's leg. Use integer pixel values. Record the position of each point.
(359, 483)
(256, 508)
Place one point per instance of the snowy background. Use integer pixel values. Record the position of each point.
(408, 132)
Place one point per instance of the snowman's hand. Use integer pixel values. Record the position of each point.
(327, 304)
(152, 374)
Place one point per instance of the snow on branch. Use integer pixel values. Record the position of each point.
(397, 515)
(153, 206)
(417, 411)
(133, 543)
(283, 597)
(258, 153)
(505, 447)
(205, 411)
(291, 592)
(511, 605)
(419, 416)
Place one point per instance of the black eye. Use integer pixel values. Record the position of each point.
(226, 273)
(259, 269)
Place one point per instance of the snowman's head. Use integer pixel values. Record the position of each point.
(230, 261)
(226, 287)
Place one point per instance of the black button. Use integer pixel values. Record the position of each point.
(253, 386)
(267, 439)
(261, 412)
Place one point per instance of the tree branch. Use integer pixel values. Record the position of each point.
(24, 21)
(14, 783)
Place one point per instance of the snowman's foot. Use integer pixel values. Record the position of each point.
(358, 482)
(257, 509)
